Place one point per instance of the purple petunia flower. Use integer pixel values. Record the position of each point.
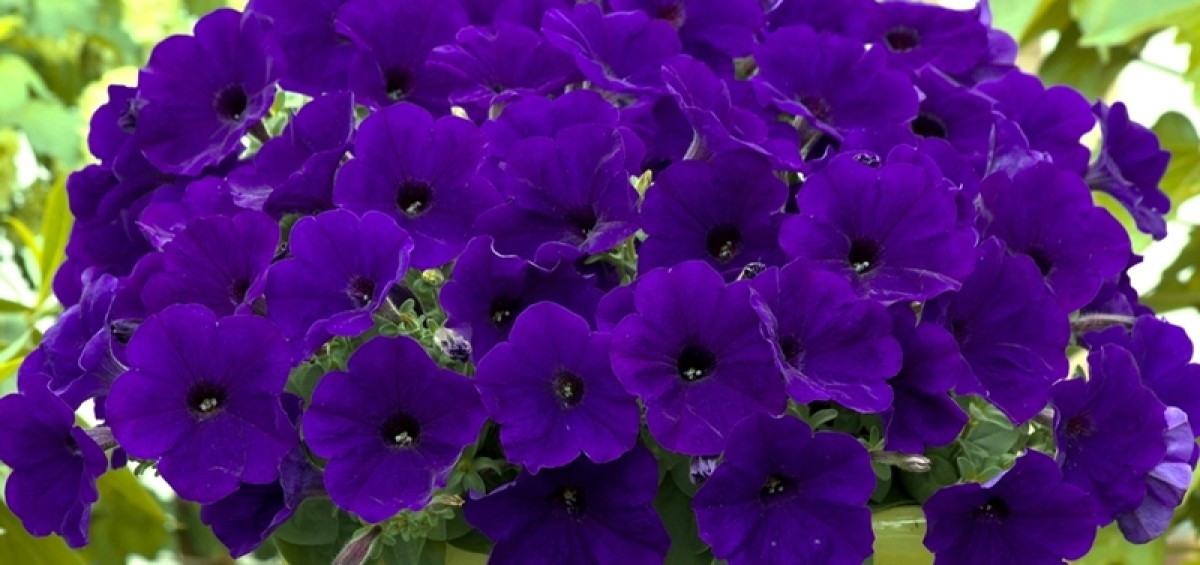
(203, 92)
(783, 494)
(171, 207)
(494, 67)
(725, 212)
(696, 357)
(81, 328)
(316, 55)
(392, 427)
(340, 271)
(922, 412)
(1053, 119)
(829, 343)
(394, 40)
(916, 35)
(216, 261)
(714, 31)
(620, 51)
(1047, 213)
(1166, 483)
(831, 81)
(960, 115)
(718, 125)
(894, 231)
(539, 117)
(1110, 432)
(1163, 353)
(1010, 330)
(422, 172)
(838, 18)
(582, 513)
(294, 173)
(54, 465)
(1027, 514)
(572, 188)
(551, 389)
(202, 397)
(487, 291)
(244, 519)
(1129, 168)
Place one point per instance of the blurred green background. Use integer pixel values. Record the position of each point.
(58, 56)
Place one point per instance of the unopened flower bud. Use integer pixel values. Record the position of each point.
(751, 270)
(702, 468)
(433, 277)
(358, 549)
(453, 344)
(903, 461)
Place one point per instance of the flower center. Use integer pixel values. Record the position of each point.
(570, 498)
(673, 13)
(583, 220)
(231, 103)
(361, 290)
(503, 310)
(817, 106)
(397, 83)
(568, 387)
(902, 39)
(1041, 258)
(723, 242)
(206, 399)
(993, 510)
(792, 349)
(237, 290)
(695, 363)
(414, 198)
(1078, 427)
(863, 255)
(775, 487)
(928, 125)
(401, 431)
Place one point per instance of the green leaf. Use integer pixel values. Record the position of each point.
(1026, 19)
(1111, 548)
(52, 129)
(1180, 284)
(675, 508)
(312, 524)
(1116, 22)
(56, 228)
(20, 81)
(54, 18)
(10, 306)
(1085, 68)
(1177, 135)
(17, 546)
(126, 521)
(899, 535)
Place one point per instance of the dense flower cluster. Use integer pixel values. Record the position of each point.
(564, 263)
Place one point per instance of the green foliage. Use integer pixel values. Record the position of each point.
(1112, 549)
(17, 546)
(1116, 22)
(126, 521)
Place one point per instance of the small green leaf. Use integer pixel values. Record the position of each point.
(11, 306)
(52, 130)
(17, 546)
(312, 524)
(20, 82)
(675, 508)
(54, 18)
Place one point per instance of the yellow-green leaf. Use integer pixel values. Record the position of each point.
(52, 130)
(1177, 135)
(126, 521)
(56, 227)
(20, 80)
(18, 547)
(25, 235)
(899, 536)
(7, 305)
(1025, 19)
(9, 368)
(1116, 22)
(1085, 68)
(1112, 549)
